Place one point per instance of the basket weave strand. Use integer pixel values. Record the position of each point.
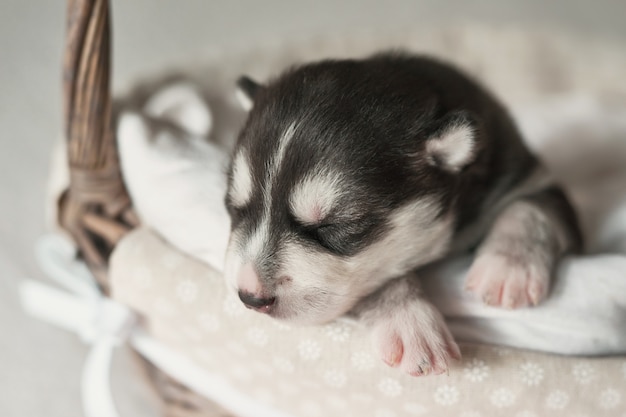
(95, 209)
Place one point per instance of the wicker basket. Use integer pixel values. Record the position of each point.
(96, 210)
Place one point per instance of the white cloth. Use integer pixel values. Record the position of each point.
(99, 321)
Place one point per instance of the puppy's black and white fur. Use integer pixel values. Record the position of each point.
(351, 174)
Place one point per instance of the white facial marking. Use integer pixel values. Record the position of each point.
(272, 173)
(250, 249)
(314, 197)
(241, 186)
(455, 147)
(244, 250)
(283, 142)
(256, 242)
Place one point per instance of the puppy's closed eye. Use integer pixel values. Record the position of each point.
(340, 238)
(321, 233)
(237, 213)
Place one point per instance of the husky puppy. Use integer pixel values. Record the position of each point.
(351, 174)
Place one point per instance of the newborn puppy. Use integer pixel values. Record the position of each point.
(351, 174)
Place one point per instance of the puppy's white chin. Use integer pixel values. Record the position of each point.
(322, 315)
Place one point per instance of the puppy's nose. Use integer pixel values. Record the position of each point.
(248, 280)
(262, 305)
(251, 292)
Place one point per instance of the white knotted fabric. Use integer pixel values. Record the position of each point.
(81, 309)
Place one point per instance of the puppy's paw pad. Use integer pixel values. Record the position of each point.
(415, 339)
(508, 281)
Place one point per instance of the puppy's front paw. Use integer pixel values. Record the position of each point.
(508, 280)
(415, 338)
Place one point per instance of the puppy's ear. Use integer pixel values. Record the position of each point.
(454, 144)
(247, 90)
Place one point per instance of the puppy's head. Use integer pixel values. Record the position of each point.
(342, 178)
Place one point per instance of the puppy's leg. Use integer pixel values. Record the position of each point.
(408, 332)
(514, 263)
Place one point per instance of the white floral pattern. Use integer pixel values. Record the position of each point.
(309, 350)
(362, 361)
(502, 397)
(583, 373)
(446, 395)
(338, 332)
(390, 387)
(335, 378)
(476, 370)
(610, 398)
(557, 400)
(531, 373)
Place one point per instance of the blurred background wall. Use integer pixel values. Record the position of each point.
(39, 365)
